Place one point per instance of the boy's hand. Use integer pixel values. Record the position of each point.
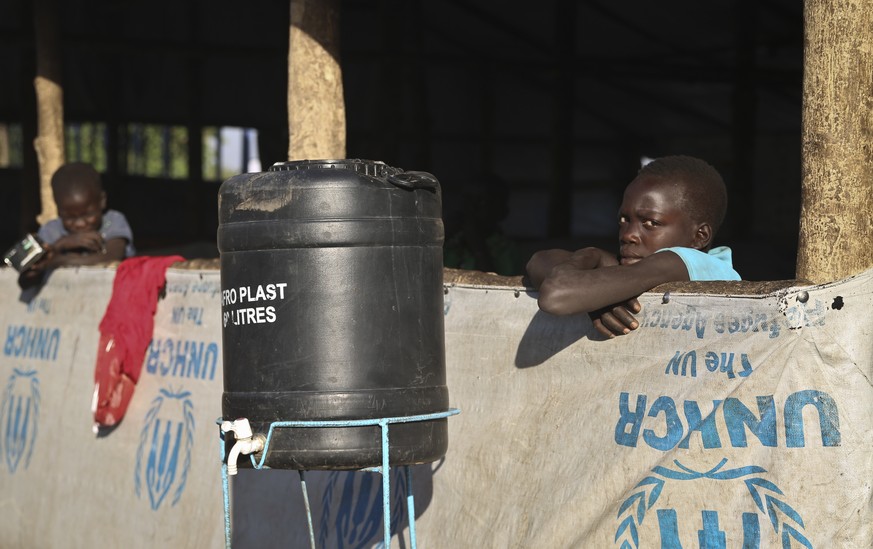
(43, 262)
(91, 241)
(29, 278)
(616, 319)
(36, 273)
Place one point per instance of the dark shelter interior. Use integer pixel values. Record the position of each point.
(533, 116)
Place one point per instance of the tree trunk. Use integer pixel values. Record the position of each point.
(4, 145)
(49, 142)
(836, 221)
(316, 111)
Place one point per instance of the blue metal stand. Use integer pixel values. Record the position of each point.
(384, 469)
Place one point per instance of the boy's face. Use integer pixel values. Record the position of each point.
(651, 218)
(82, 211)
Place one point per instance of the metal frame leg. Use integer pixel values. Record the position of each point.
(410, 505)
(386, 486)
(308, 511)
(384, 470)
(225, 489)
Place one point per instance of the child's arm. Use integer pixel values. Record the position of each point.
(541, 264)
(85, 242)
(35, 275)
(55, 257)
(574, 287)
(609, 321)
(86, 249)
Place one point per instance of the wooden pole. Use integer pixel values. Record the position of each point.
(4, 145)
(49, 142)
(836, 221)
(316, 110)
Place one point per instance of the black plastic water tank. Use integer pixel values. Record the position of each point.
(332, 306)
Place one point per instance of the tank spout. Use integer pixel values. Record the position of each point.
(246, 442)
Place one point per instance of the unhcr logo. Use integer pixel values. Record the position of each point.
(165, 443)
(769, 500)
(19, 417)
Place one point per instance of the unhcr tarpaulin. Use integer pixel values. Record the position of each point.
(151, 482)
(724, 421)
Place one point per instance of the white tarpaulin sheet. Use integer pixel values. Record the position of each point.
(154, 481)
(724, 421)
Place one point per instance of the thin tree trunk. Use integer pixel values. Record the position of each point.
(316, 110)
(49, 142)
(4, 145)
(836, 222)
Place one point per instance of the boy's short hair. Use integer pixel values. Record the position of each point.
(76, 176)
(703, 187)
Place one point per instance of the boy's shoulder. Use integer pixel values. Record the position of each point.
(115, 224)
(114, 215)
(51, 231)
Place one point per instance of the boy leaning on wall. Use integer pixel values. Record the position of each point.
(85, 231)
(667, 222)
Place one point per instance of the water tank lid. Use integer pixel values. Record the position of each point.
(374, 168)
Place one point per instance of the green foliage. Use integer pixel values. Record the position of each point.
(157, 151)
(148, 150)
(86, 142)
(213, 144)
(11, 151)
(211, 139)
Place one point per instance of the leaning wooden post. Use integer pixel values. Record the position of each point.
(49, 142)
(836, 221)
(316, 111)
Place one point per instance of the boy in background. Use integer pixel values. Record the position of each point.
(85, 232)
(667, 221)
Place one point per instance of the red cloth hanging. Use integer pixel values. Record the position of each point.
(125, 333)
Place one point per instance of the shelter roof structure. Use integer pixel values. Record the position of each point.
(560, 100)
